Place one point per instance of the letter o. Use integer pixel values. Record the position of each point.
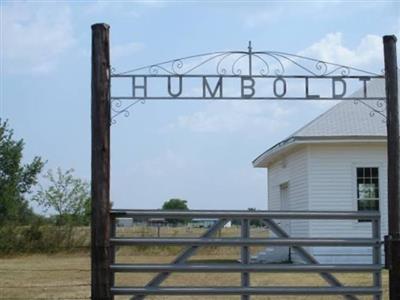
(283, 86)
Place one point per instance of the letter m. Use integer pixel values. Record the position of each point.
(212, 93)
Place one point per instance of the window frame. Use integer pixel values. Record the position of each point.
(370, 177)
(365, 164)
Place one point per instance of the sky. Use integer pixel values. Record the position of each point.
(200, 151)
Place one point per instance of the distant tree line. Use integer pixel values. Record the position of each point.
(176, 204)
(62, 194)
(254, 223)
(179, 204)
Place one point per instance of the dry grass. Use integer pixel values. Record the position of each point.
(183, 231)
(51, 277)
(145, 231)
(67, 276)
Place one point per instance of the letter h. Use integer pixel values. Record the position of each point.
(139, 87)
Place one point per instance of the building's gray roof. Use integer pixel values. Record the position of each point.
(349, 118)
(346, 120)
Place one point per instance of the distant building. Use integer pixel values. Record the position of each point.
(124, 222)
(157, 222)
(336, 162)
(206, 223)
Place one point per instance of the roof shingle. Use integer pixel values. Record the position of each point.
(347, 119)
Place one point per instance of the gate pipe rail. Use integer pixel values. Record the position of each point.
(230, 268)
(245, 214)
(182, 257)
(341, 242)
(283, 290)
(245, 268)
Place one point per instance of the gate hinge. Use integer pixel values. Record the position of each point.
(391, 243)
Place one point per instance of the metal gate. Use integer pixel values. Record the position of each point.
(244, 70)
(244, 266)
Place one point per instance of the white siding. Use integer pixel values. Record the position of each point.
(292, 169)
(332, 186)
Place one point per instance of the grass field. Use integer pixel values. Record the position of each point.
(67, 276)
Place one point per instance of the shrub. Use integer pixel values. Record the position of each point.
(37, 238)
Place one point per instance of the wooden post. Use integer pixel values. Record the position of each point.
(100, 219)
(392, 241)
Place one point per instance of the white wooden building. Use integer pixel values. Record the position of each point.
(336, 162)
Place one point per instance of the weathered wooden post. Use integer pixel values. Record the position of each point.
(392, 241)
(100, 219)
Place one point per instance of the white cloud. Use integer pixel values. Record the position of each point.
(161, 165)
(274, 13)
(367, 54)
(35, 37)
(234, 116)
(272, 116)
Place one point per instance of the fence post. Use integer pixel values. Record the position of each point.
(100, 218)
(376, 255)
(113, 249)
(392, 241)
(245, 255)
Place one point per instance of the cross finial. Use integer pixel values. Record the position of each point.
(250, 54)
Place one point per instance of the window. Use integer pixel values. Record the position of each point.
(367, 188)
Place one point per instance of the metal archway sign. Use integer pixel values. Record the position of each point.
(240, 75)
(230, 75)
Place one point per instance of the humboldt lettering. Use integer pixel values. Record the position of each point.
(142, 87)
(283, 89)
(172, 94)
(308, 95)
(364, 80)
(208, 92)
(246, 87)
(334, 86)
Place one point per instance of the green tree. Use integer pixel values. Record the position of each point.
(175, 204)
(68, 196)
(16, 178)
(256, 222)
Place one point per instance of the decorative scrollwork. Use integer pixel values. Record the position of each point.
(220, 69)
(264, 69)
(250, 63)
(377, 107)
(321, 66)
(243, 63)
(177, 66)
(120, 107)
